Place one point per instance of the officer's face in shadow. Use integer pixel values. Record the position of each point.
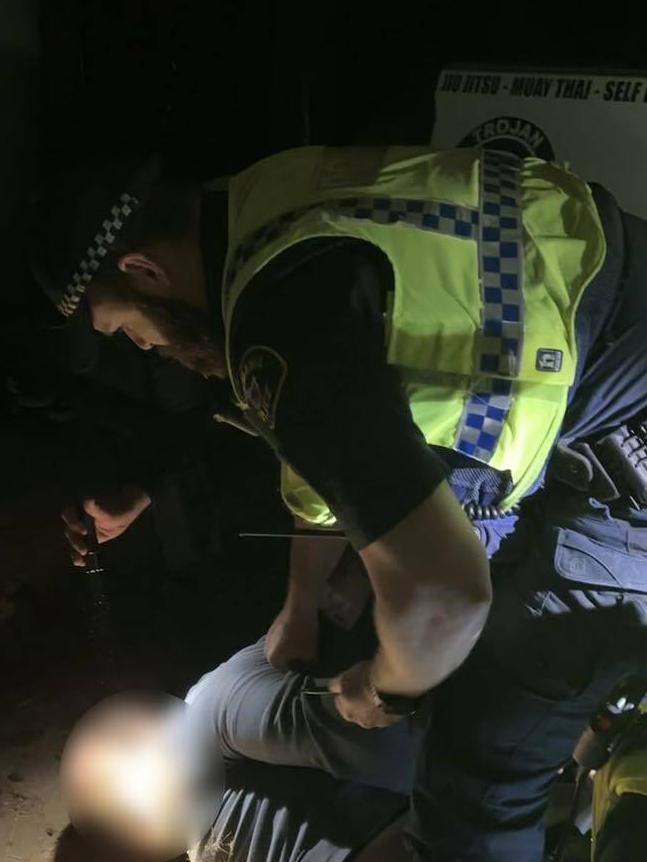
(145, 304)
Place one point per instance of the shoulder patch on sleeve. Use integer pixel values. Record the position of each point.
(262, 374)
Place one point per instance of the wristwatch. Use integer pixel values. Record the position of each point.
(394, 704)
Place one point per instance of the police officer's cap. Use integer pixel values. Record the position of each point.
(74, 225)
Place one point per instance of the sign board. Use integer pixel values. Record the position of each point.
(596, 124)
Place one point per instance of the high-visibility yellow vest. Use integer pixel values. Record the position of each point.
(626, 772)
(491, 256)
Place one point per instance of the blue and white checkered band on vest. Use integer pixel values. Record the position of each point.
(496, 226)
(501, 275)
(457, 221)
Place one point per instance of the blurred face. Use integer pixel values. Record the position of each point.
(120, 775)
(140, 777)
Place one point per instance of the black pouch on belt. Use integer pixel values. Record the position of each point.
(611, 468)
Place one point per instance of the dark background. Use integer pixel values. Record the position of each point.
(214, 86)
(222, 83)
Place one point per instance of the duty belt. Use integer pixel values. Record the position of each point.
(612, 468)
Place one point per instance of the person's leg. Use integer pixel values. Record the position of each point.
(561, 633)
(282, 814)
(258, 713)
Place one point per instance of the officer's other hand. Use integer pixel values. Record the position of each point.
(113, 515)
(355, 700)
(292, 642)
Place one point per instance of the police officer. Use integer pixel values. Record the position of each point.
(419, 336)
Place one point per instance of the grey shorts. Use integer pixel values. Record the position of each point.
(301, 783)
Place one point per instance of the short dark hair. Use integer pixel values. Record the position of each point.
(166, 216)
(84, 220)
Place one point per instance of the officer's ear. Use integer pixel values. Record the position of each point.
(146, 272)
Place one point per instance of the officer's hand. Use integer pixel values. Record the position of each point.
(355, 701)
(112, 517)
(292, 642)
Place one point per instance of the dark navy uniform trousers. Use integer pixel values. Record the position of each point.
(569, 618)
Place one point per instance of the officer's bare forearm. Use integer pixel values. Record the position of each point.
(432, 587)
(312, 562)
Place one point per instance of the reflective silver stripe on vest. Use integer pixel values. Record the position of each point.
(483, 417)
(501, 265)
(501, 271)
(443, 218)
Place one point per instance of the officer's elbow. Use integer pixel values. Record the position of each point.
(460, 595)
(479, 603)
(475, 591)
(480, 589)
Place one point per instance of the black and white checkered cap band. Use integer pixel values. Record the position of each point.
(96, 251)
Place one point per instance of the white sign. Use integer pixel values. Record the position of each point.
(595, 124)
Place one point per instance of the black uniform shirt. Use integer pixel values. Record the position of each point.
(309, 358)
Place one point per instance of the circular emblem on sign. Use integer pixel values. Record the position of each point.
(512, 135)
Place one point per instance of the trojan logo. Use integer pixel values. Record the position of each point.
(513, 135)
